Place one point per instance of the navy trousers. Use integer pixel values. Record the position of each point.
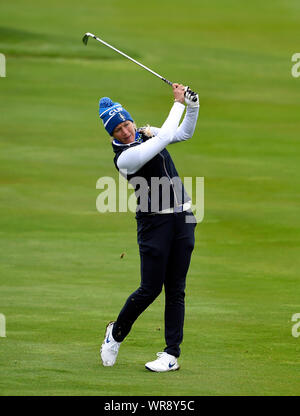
(166, 242)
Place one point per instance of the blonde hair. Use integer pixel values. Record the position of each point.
(146, 130)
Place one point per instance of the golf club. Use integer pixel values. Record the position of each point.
(85, 41)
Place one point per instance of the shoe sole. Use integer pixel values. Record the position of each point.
(103, 343)
(166, 371)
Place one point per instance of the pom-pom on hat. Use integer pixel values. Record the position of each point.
(112, 114)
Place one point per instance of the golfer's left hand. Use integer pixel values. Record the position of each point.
(191, 98)
(178, 91)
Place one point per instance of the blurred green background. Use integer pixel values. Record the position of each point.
(61, 275)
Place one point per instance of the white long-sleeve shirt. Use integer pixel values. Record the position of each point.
(137, 156)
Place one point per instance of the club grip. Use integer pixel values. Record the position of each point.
(167, 81)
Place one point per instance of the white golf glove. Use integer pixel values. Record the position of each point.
(191, 98)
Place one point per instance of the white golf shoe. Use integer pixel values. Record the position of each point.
(109, 348)
(164, 362)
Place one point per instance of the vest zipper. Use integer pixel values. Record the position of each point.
(176, 201)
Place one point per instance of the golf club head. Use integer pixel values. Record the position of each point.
(86, 37)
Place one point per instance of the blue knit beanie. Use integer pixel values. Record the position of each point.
(112, 114)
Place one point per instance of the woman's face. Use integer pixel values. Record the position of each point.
(125, 132)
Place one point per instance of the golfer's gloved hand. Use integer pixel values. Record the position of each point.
(191, 98)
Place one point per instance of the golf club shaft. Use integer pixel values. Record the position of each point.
(128, 57)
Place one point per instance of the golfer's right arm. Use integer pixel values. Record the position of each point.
(137, 156)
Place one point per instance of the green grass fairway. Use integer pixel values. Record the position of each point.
(61, 275)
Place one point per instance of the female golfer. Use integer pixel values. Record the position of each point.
(165, 222)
